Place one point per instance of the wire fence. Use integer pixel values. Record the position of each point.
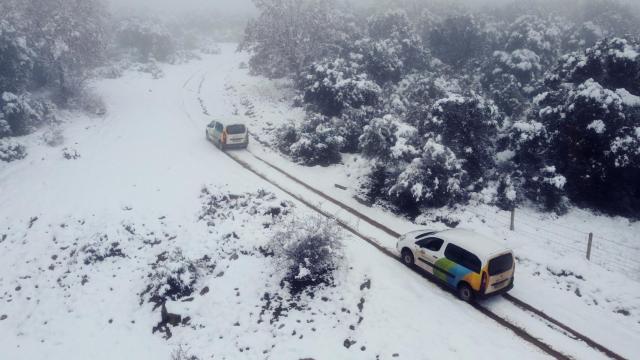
(606, 252)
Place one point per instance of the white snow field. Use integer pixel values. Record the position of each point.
(82, 239)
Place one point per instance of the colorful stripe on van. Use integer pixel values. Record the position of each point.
(452, 273)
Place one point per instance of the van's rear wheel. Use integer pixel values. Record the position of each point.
(407, 257)
(465, 293)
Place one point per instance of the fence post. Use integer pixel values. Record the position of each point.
(589, 246)
(513, 219)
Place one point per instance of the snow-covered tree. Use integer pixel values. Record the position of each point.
(434, 179)
(16, 59)
(457, 40)
(316, 142)
(151, 39)
(468, 126)
(332, 86)
(21, 114)
(393, 47)
(289, 35)
(587, 125)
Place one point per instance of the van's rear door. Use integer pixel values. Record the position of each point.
(501, 269)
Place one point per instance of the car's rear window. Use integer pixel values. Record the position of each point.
(236, 129)
(500, 264)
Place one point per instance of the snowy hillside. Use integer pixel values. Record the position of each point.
(136, 209)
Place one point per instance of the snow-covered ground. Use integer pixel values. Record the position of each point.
(83, 236)
(553, 273)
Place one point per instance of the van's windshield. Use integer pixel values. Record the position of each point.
(500, 264)
(236, 129)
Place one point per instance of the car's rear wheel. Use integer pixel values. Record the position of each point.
(407, 257)
(465, 293)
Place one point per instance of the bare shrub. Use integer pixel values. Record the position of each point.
(309, 251)
(181, 354)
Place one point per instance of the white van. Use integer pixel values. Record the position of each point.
(228, 134)
(470, 263)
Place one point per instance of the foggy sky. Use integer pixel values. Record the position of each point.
(173, 6)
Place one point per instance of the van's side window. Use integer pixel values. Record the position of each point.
(462, 257)
(219, 127)
(433, 244)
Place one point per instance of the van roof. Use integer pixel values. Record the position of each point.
(232, 121)
(480, 245)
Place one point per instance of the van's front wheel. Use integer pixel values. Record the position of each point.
(407, 257)
(465, 293)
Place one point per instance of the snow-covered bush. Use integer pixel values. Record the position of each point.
(586, 126)
(435, 179)
(418, 93)
(393, 47)
(16, 59)
(286, 135)
(531, 39)
(307, 251)
(316, 142)
(332, 86)
(289, 35)
(547, 189)
(174, 276)
(23, 113)
(319, 143)
(468, 126)
(53, 137)
(506, 193)
(614, 63)
(378, 137)
(457, 40)
(508, 93)
(11, 151)
(350, 126)
(390, 140)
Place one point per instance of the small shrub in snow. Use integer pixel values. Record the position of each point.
(182, 354)
(174, 276)
(375, 185)
(286, 135)
(70, 154)
(308, 251)
(53, 137)
(11, 151)
(507, 194)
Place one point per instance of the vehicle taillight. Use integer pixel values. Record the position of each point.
(224, 137)
(483, 284)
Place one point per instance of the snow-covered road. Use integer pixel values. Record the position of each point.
(140, 174)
